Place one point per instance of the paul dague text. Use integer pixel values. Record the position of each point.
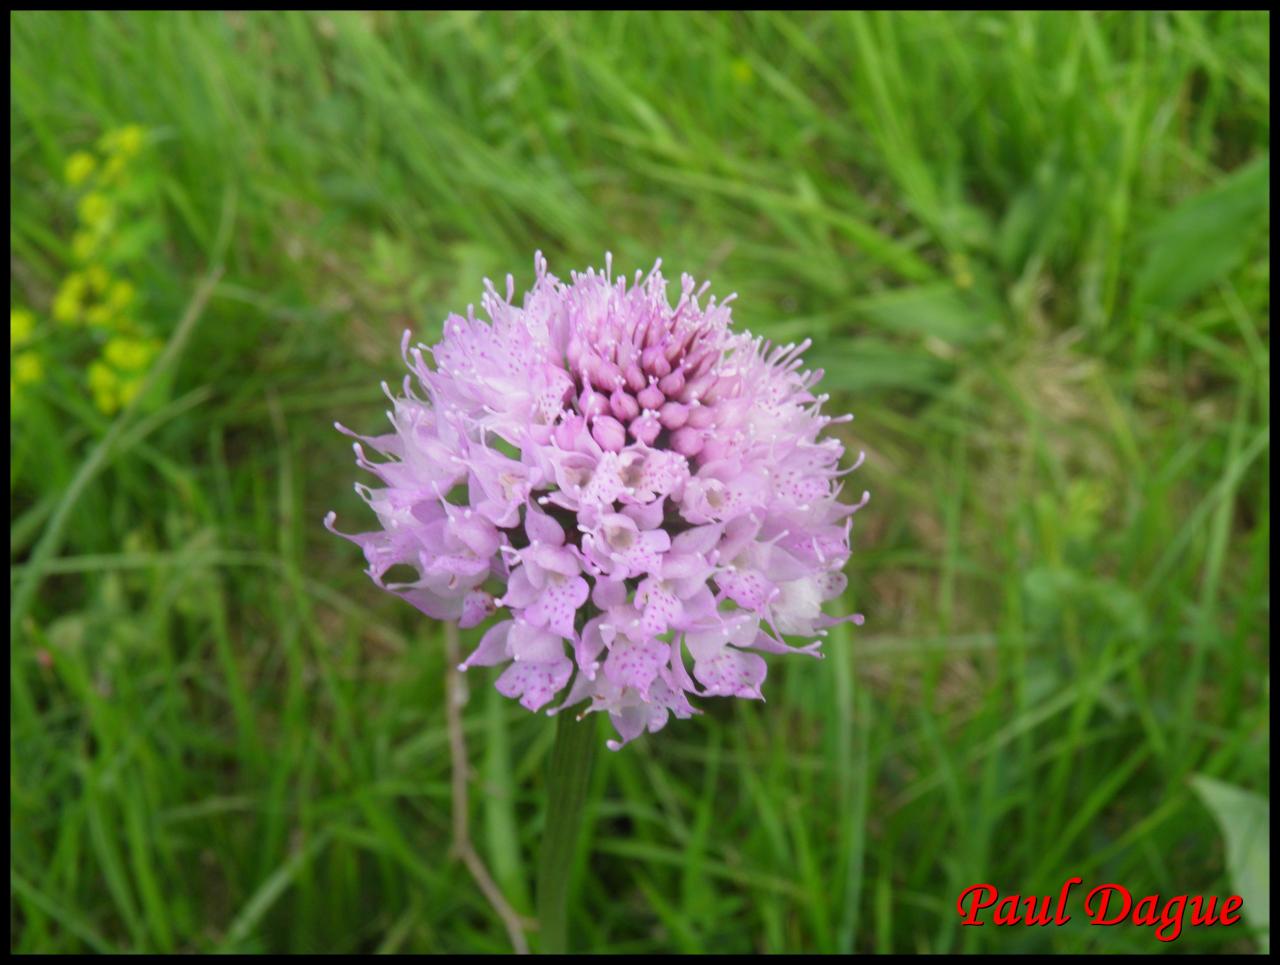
(1105, 904)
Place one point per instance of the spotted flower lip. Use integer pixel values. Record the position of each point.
(630, 487)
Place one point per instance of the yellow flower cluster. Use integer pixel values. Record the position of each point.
(116, 378)
(96, 300)
(102, 175)
(25, 365)
(91, 297)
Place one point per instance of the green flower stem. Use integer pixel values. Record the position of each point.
(568, 777)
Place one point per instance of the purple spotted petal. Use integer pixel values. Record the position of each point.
(557, 604)
(731, 673)
(534, 683)
(635, 663)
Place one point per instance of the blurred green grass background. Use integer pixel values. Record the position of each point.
(1032, 252)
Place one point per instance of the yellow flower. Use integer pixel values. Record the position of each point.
(22, 325)
(106, 401)
(79, 167)
(27, 368)
(94, 209)
(125, 141)
(129, 390)
(82, 245)
(102, 376)
(742, 71)
(104, 383)
(131, 138)
(130, 354)
(99, 279)
(67, 303)
(121, 295)
(113, 168)
(99, 316)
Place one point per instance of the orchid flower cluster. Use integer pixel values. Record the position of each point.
(621, 481)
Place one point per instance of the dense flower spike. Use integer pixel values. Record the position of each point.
(632, 486)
